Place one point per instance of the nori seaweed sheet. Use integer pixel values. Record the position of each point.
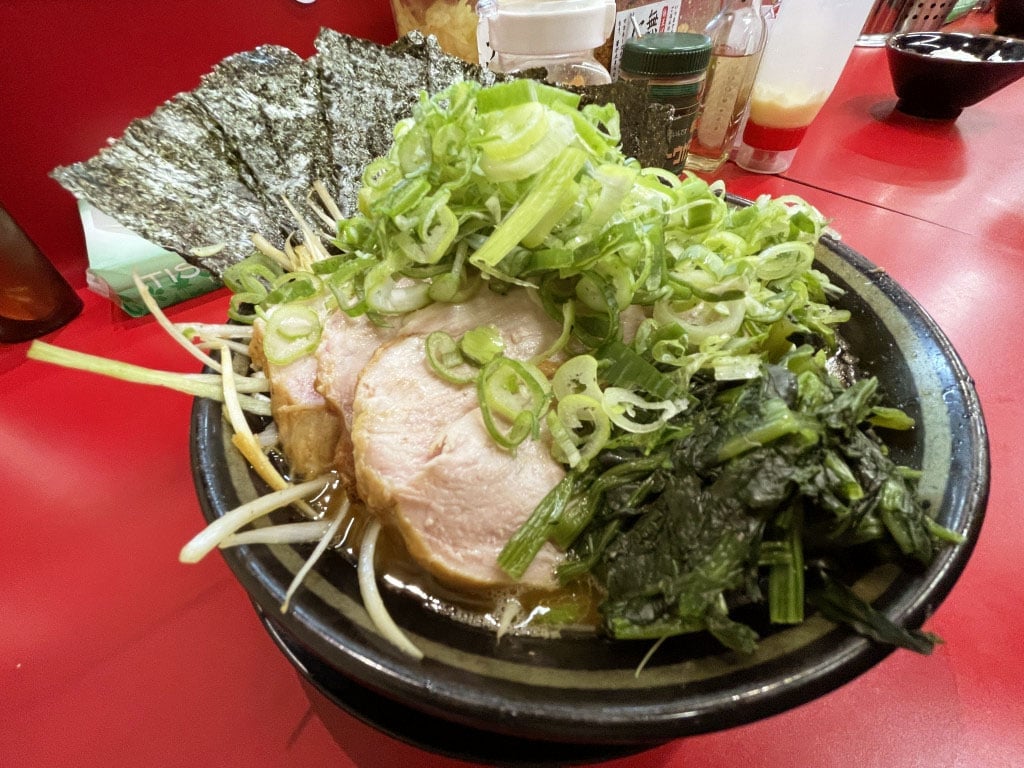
(267, 102)
(213, 166)
(174, 179)
(644, 124)
(367, 88)
(442, 70)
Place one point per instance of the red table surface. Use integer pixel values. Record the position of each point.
(112, 653)
(967, 175)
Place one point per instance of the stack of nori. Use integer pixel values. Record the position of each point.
(214, 166)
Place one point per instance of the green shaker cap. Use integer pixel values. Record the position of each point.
(667, 54)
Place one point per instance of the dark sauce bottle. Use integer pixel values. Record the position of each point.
(34, 297)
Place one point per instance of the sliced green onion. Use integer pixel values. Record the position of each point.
(249, 281)
(727, 244)
(554, 215)
(623, 405)
(523, 425)
(548, 260)
(293, 330)
(702, 320)
(510, 393)
(614, 182)
(446, 359)
(598, 294)
(700, 214)
(587, 425)
(577, 376)
(453, 288)
(293, 286)
(553, 183)
(521, 91)
(511, 132)
(785, 260)
(568, 316)
(629, 370)
(404, 196)
(390, 297)
(588, 133)
(482, 344)
(432, 245)
(412, 150)
(563, 442)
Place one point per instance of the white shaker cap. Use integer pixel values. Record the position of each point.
(550, 26)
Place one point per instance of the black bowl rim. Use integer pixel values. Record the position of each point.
(892, 41)
(839, 655)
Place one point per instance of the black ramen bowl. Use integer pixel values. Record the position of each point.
(937, 74)
(577, 697)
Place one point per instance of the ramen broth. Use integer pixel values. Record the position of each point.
(509, 610)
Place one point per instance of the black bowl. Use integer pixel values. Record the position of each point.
(937, 74)
(581, 689)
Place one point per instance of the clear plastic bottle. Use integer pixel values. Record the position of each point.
(738, 35)
(809, 45)
(559, 35)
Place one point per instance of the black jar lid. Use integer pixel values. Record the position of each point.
(668, 54)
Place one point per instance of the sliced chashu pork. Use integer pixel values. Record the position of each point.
(425, 462)
(311, 397)
(308, 427)
(347, 344)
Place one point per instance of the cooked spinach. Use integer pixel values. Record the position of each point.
(776, 482)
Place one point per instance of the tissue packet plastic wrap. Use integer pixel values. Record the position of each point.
(116, 252)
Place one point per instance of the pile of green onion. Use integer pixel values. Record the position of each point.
(519, 185)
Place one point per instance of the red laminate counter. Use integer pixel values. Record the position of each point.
(966, 175)
(114, 654)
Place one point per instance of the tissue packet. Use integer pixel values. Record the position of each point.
(115, 252)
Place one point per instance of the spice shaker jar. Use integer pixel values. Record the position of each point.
(558, 36)
(675, 65)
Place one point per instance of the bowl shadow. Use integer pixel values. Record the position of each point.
(926, 150)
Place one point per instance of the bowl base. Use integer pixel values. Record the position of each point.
(336, 701)
(928, 111)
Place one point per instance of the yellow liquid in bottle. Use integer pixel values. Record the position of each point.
(729, 81)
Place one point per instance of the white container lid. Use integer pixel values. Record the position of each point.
(550, 26)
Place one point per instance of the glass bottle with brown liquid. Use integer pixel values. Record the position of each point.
(738, 35)
(34, 297)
